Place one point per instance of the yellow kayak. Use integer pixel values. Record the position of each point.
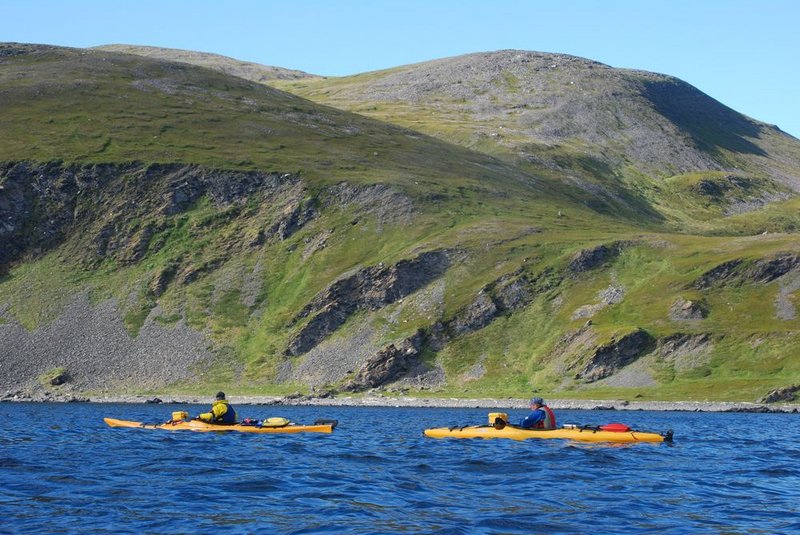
(320, 426)
(620, 434)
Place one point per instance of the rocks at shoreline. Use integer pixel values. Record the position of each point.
(787, 393)
(328, 399)
(42, 397)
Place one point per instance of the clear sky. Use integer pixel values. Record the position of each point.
(744, 53)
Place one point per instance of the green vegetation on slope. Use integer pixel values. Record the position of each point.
(616, 134)
(224, 267)
(101, 107)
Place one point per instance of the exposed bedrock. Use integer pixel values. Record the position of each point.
(784, 394)
(769, 269)
(685, 351)
(293, 217)
(589, 259)
(400, 361)
(476, 316)
(506, 294)
(370, 288)
(608, 359)
(42, 204)
(382, 202)
(687, 310)
(36, 204)
(717, 275)
(681, 343)
(784, 303)
(739, 271)
(388, 364)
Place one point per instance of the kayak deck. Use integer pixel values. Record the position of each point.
(204, 427)
(581, 434)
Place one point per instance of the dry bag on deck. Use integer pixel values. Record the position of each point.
(275, 422)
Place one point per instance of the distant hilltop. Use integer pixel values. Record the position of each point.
(234, 67)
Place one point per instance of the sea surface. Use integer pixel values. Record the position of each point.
(62, 470)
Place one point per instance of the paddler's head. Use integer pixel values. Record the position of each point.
(537, 402)
(220, 395)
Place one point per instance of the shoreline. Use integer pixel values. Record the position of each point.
(410, 401)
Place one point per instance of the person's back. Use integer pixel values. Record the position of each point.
(221, 412)
(541, 417)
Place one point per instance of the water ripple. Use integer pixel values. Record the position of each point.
(734, 473)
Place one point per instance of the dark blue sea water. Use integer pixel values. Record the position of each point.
(63, 471)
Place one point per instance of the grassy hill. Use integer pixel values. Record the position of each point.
(400, 247)
(248, 70)
(630, 140)
(616, 132)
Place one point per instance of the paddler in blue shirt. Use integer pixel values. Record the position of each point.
(541, 417)
(221, 412)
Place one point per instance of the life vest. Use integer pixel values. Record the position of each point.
(549, 421)
(228, 417)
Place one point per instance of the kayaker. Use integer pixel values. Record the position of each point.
(221, 412)
(541, 417)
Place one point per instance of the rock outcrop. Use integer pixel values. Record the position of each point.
(785, 394)
(769, 269)
(369, 289)
(293, 217)
(685, 351)
(506, 294)
(384, 203)
(117, 209)
(58, 377)
(609, 358)
(475, 316)
(162, 279)
(762, 271)
(717, 275)
(686, 310)
(784, 303)
(608, 296)
(388, 364)
(502, 296)
(589, 259)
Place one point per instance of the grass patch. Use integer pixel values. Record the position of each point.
(169, 320)
(134, 319)
(53, 377)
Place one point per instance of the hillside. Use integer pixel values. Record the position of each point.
(631, 140)
(169, 227)
(248, 70)
(616, 132)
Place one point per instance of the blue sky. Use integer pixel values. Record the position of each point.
(744, 53)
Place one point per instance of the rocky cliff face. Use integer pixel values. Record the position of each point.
(369, 289)
(117, 209)
(609, 358)
(388, 365)
(739, 271)
(122, 213)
